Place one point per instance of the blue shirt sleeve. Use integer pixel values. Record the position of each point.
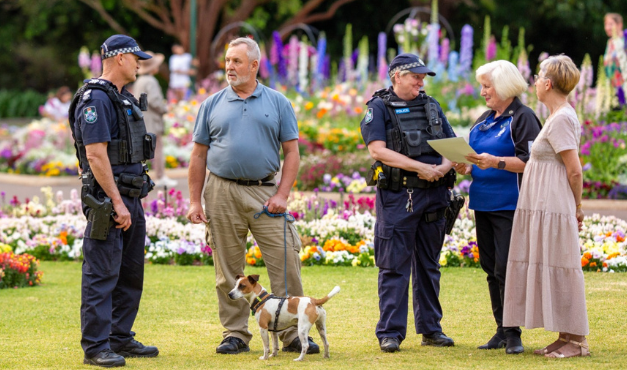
(373, 123)
(96, 118)
(288, 129)
(201, 128)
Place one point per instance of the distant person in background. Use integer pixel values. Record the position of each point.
(180, 70)
(157, 107)
(57, 106)
(615, 58)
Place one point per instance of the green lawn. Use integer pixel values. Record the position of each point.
(40, 327)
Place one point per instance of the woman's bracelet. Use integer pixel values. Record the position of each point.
(579, 206)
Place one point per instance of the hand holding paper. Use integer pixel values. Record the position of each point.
(455, 149)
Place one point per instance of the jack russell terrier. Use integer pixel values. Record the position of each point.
(273, 315)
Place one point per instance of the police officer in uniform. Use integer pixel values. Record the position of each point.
(412, 195)
(112, 145)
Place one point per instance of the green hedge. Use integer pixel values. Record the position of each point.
(14, 104)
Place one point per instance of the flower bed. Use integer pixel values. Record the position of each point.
(334, 233)
(18, 270)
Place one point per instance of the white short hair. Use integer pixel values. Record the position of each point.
(505, 77)
(252, 49)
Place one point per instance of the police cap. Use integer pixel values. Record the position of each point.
(121, 44)
(408, 62)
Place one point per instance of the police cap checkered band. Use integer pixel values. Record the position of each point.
(408, 62)
(117, 44)
(113, 53)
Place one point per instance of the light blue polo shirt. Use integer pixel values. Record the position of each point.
(245, 135)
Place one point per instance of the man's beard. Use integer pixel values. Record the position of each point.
(239, 80)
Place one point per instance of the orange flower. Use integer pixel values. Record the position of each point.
(584, 261)
(587, 255)
(251, 261)
(321, 113)
(358, 110)
(593, 264)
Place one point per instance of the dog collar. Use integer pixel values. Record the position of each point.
(260, 300)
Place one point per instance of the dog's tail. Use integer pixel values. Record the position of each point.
(321, 301)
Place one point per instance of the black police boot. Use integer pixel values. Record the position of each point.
(136, 349)
(390, 345)
(232, 346)
(106, 358)
(437, 339)
(496, 342)
(295, 346)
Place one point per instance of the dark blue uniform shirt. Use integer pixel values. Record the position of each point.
(97, 122)
(380, 121)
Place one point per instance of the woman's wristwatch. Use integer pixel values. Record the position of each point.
(501, 165)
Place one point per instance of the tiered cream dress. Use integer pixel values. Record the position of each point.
(544, 286)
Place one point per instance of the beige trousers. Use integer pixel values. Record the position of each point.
(230, 210)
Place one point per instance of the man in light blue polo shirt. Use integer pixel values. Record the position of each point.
(238, 134)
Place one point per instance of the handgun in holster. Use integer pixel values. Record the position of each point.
(455, 205)
(99, 215)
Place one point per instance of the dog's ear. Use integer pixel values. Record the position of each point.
(253, 278)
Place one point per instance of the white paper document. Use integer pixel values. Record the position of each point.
(454, 149)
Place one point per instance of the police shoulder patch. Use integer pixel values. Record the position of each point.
(369, 116)
(90, 114)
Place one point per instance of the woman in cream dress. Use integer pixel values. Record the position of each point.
(544, 286)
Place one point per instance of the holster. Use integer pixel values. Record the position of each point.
(99, 215)
(452, 211)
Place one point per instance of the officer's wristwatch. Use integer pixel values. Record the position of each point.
(501, 165)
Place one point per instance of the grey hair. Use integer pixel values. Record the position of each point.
(400, 74)
(507, 80)
(252, 49)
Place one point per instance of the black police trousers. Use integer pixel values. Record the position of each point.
(113, 279)
(406, 245)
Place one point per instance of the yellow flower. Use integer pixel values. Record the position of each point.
(309, 105)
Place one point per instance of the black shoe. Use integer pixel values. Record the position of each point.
(136, 349)
(106, 358)
(295, 346)
(390, 345)
(496, 342)
(232, 346)
(514, 346)
(437, 340)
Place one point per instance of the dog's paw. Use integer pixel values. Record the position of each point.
(263, 358)
(274, 354)
(299, 358)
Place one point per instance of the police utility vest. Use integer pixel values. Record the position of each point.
(413, 123)
(134, 144)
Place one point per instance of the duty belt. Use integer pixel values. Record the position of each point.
(246, 182)
(411, 180)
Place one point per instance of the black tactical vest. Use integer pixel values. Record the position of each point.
(413, 123)
(134, 144)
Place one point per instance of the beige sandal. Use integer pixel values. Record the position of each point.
(583, 350)
(559, 343)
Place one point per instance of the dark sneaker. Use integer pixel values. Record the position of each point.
(136, 349)
(296, 347)
(390, 345)
(496, 342)
(232, 346)
(106, 358)
(437, 340)
(514, 346)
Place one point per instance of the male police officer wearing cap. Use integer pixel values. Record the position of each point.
(112, 146)
(412, 195)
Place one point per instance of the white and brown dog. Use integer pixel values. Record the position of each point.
(273, 315)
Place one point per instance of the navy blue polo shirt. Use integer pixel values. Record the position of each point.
(97, 122)
(377, 121)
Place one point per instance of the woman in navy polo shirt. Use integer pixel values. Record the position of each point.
(502, 139)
